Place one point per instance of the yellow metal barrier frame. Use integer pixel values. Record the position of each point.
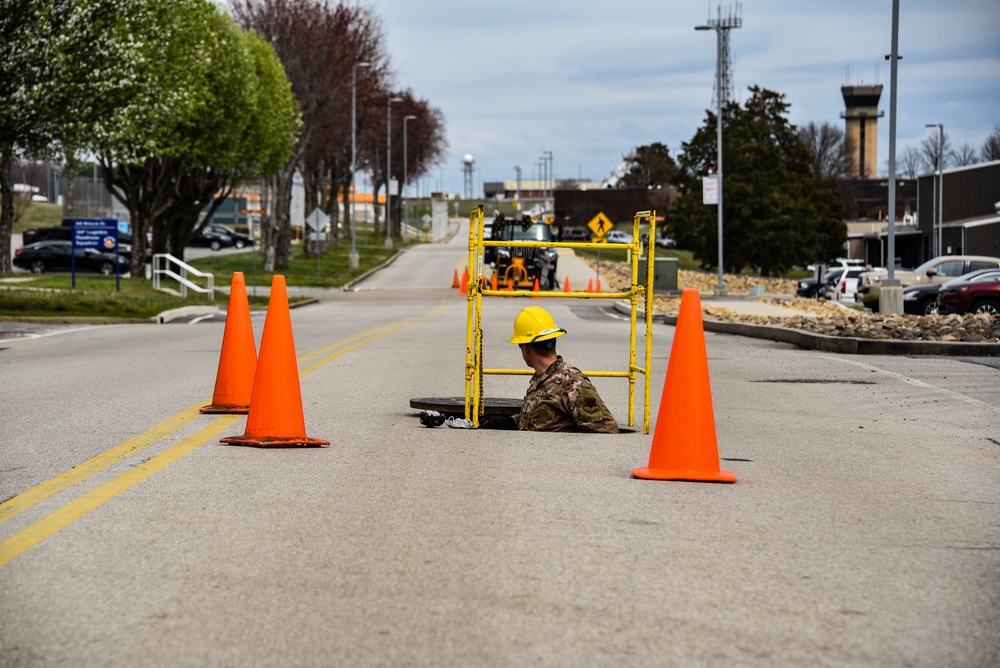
(474, 370)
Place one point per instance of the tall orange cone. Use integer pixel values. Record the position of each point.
(493, 283)
(684, 443)
(238, 361)
(566, 285)
(465, 283)
(590, 285)
(536, 288)
(276, 417)
(598, 286)
(454, 280)
(510, 285)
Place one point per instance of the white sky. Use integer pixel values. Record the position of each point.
(589, 80)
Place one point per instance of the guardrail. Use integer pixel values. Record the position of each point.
(476, 290)
(163, 266)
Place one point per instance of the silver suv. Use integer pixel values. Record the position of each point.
(937, 270)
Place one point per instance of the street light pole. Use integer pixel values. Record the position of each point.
(352, 258)
(938, 167)
(406, 162)
(720, 288)
(388, 170)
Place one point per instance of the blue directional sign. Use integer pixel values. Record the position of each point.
(96, 233)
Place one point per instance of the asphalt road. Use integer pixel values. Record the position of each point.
(863, 529)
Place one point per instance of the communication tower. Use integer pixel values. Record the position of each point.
(724, 69)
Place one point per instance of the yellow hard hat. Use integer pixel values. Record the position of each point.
(535, 324)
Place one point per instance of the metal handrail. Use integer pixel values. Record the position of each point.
(162, 263)
(640, 288)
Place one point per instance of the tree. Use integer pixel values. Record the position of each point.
(649, 166)
(199, 120)
(964, 155)
(828, 149)
(911, 162)
(777, 213)
(65, 66)
(935, 149)
(990, 150)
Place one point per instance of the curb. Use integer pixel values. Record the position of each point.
(185, 312)
(835, 344)
(848, 345)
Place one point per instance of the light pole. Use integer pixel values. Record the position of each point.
(720, 289)
(549, 181)
(388, 169)
(406, 161)
(517, 193)
(352, 258)
(938, 159)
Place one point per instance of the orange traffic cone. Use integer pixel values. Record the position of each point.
(684, 444)
(590, 285)
(510, 285)
(238, 361)
(465, 283)
(566, 285)
(536, 288)
(598, 286)
(454, 280)
(276, 417)
(493, 283)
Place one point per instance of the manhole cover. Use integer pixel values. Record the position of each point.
(456, 405)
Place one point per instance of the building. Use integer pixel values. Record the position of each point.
(861, 129)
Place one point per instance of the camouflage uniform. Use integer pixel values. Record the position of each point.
(563, 399)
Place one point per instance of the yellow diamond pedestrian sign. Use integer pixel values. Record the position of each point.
(600, 225)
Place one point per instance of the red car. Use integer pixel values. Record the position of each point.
(979, 294)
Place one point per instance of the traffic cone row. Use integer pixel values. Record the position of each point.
(684, 441)
(266, 387)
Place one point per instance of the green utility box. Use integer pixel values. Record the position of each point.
(664, 276)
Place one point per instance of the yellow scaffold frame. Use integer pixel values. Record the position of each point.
(476, 290)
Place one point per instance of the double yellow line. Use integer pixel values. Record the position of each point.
(54, 522)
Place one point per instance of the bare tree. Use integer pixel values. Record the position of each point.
(935, 149)
(828, 149)
(911, 162)
(964, 155)
(990, 150)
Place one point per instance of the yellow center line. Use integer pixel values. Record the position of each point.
(39, 493)
(73, 510)
(54, 522)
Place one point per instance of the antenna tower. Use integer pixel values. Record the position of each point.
(723, 77)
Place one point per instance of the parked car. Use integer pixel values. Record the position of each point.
(810, 288)
(240, 240)
(212, 238)
(574, 234)
(618, 237)
(978, 294)
(846, 287)
(665, 242)
(937, 270)
(921, 299)
(43, 256)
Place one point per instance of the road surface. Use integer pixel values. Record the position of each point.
(862, 530)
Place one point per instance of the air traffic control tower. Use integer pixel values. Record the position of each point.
(861, 129)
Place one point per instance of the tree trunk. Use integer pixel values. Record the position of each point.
(6, 208)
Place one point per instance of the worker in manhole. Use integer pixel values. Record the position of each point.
(559, 397)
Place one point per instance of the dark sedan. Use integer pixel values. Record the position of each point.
(921, 299)
(240, 240)
(43, 256)
(213, 238)
(978, 294)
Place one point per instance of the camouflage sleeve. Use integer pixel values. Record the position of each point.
(589, 411)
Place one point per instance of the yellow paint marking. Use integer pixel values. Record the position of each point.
(39, 493)
(61, 518)
(49, 525)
